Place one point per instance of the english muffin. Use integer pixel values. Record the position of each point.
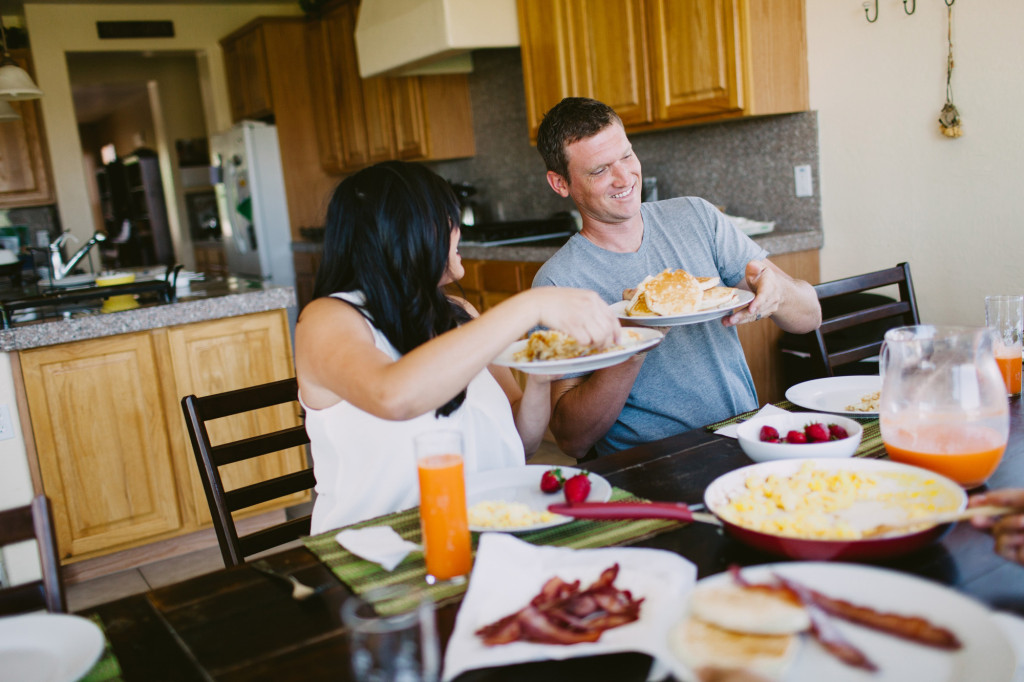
(749, 610)
(699, 644)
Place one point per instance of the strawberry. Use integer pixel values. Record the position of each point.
(796, 437)
(837, 432)
(816, 433)
(577, 488)
(769, 433)
(551, 481)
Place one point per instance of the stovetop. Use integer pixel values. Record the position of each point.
(518, 231)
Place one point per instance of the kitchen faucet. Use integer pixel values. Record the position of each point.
(58, 266)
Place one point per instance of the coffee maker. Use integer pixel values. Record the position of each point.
(469, 212)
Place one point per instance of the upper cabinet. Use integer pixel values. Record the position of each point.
(665, 63)
(266, 68)
(363, 121)
(245, 60)
(25, 178)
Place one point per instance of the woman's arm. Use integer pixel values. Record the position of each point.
(336, 359)
(531, 405)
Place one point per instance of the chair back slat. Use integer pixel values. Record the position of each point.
(256, 446)
(264, 491)
(860, 317)
(277, 535)
(33, 521)
(199, 411)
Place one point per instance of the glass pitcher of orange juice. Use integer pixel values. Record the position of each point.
(943, 404)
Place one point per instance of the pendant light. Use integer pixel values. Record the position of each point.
(15, 83)
(7, 112)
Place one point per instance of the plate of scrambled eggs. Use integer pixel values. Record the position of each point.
(511, 501)
(552, 352)
(832, 508)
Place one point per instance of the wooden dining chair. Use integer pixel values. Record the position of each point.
(33, 522)
(199, 411)
(855, 318)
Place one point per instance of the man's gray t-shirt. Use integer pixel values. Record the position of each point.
(698, 374)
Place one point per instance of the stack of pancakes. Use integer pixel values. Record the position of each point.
(731, 626)
(677, 292)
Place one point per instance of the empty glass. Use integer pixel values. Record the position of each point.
(393, 635)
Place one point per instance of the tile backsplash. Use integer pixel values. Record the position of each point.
(745, 166)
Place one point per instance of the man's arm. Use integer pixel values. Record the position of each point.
(791, 303)
(585, 408)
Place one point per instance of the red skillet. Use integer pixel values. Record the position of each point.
(721, 489)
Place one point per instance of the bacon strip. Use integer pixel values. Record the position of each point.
(826, 632)
(913, 628)
(563, 614)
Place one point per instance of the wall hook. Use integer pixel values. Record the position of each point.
(867, 14)
(913, 6)
(949, 3)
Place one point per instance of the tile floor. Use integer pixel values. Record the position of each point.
(157, 574)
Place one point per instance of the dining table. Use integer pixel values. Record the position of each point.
(239, 624)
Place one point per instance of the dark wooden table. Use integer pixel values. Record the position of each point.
(238, 624)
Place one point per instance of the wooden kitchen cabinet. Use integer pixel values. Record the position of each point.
(267, 72)
(25, 178)
(113, 451)
(210, 258)
(489, 282)
(360, 121)
(306, 265)
(665, 63)
(245, 60)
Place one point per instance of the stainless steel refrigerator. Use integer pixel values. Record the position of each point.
(251, 201)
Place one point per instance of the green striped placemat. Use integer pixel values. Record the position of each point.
(870, 443)
(361, 575)
(107, 669)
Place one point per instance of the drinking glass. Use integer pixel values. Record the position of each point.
(943, 404)
(1005, 315)
(443, 515)
(392, 635)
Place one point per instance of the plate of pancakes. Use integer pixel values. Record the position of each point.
(676, 297)
(727, 625)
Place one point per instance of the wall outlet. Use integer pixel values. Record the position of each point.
(6, 427)
(804, 182)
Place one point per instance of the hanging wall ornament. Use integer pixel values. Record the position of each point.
(949, 117)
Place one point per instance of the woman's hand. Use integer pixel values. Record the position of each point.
(580, 313)
(1008, 530)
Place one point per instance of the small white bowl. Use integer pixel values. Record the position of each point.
(749, 436)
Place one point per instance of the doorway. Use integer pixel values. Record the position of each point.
(141, 105)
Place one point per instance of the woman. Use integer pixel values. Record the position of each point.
(1007, 530)
(382, 353)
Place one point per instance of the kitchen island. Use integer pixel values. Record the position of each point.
(97, 401)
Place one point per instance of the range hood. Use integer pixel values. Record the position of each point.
(408, 37)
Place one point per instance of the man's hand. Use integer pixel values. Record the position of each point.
(768, 290)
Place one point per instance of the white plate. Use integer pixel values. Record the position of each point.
(744, 297)
(833, 394)
(47, 646)
(522, 484)
(986, 654)
(648, 338)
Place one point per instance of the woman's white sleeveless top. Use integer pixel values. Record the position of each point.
(365, 466)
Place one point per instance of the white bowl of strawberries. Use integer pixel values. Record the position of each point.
(799, 434)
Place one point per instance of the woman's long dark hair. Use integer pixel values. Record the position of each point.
(388, 235)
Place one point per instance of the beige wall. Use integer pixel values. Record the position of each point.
(55, 30)
(892, 187)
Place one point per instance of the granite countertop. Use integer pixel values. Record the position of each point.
(208, 299)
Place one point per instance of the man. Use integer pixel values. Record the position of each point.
(698, 374)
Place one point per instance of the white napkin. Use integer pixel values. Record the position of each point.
(766, 411)
(509, 572)
(379, 544)
(1013, 626)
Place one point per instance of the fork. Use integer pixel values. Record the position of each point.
(300, 590)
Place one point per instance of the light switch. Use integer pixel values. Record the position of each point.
(804, 182)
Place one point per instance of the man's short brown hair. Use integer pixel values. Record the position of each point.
(571, 120)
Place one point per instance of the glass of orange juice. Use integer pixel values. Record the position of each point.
(1005, 316)
(943, 404)
(443, 515)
